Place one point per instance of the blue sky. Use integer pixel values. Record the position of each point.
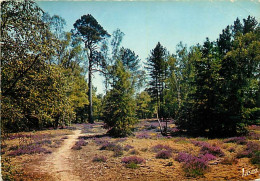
(147, 22)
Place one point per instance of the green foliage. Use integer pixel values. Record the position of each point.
(144, 107)
(157, 70)
(42, 82)
(119, 105)
(91, 33)
(225, 83)
(132, 165)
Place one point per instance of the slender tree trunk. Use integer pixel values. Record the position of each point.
(90, 97)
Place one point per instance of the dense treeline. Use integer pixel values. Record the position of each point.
(210, 89)
(43, 81)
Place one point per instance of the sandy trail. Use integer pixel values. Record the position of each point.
(57, 164)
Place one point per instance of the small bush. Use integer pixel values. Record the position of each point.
(76, 147)
(164, 154)
(207, 157)
(111, 147)
(81, 142)
(192, 165)
(99, 159)
(249, 151)
(256, 158)
(161, 147)
(133, 159)
(211, 149)
(29, 149)
(200, 143)
(131, 165)
(118, 152)
(128, 147)
(101, 141)
(237, 140)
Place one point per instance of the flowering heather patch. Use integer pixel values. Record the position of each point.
(237, 140)
(200, 143)
(211, 149)
(31, 149)
(76, 147)
(256, 158)
(100, 158)
(254, 136)
(101, 141)
(81, 142)
(111, 147)
(133, 159)
(254, 127)
(143, 135)
(120, 140)
(193, 166)
(161, 147)
(31, 136)
(207, 157)
(164, 154)
(249, 151)
(118, 152)
(128, 147)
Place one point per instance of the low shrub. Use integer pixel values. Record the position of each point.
(200, 143)
(192, 165)
(101, 141)
(237, 140)
(99, 159)
(207, 157)
(110, 146)
(128, 147)
(76, 147)
(211, 149)
(118, 152)
(161, 147)
(249, 151)
(256, 158)
(164, 154)
(133, 159)
(81, 142)
(253, 136)
(64, 137)
(29, 149)
(131, 165)
(143, 135)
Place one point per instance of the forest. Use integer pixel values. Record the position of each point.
(200, 99)
(210, 89)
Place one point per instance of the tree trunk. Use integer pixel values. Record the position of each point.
(90, 97)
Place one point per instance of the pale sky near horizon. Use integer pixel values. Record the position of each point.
(146, 23)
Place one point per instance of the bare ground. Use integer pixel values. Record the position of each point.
(58, 164)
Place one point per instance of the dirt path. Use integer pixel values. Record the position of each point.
(57, 164)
